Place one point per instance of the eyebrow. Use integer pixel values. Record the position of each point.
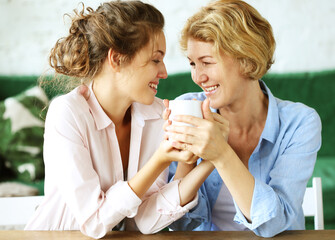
(200, 58)
(161, 52)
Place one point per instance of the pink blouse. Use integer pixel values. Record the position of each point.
(85, 188)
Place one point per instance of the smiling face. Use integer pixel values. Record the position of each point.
(141, 76)
(219, 77)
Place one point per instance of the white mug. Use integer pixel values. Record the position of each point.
(184, 107)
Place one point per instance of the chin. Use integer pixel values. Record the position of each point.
(214, 104)
(146, 101)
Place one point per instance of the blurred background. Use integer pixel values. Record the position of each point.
(304, 71)
(304, 31)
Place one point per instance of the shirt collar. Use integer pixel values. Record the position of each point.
(100, 117)
(139, 112)
(271, 128)
(142, 112)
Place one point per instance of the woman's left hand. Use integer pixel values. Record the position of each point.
(207, 139)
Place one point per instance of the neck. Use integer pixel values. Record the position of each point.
(115, 104)
(248, 111)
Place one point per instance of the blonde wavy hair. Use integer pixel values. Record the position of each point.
(236, 29)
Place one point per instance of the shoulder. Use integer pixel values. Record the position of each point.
(291, 115)
(70, 105)
(300, 127)
(71, 100)
(296, 112)
(192, 95)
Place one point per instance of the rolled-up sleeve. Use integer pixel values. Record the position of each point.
(195, 217)
(162, 208)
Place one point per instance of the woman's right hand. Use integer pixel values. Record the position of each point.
(180, 156)
(167, 154)
(165, 116)
(208, 139)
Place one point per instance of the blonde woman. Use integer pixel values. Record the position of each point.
(263, 148)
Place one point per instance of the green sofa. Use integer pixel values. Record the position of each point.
(315, 89)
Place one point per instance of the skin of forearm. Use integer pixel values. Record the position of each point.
(238, 180)
(144, 178)
(190, 184)
(183, 169)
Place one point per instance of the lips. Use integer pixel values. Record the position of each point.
(210, 89)
(153, 85)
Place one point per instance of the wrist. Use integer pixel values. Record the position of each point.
(224, 159)
(161, 158)
(208, 164)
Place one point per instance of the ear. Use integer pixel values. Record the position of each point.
(114, 59)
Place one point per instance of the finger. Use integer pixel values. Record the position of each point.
(189, 157)
(184, 147)
(166, 113)
(223, 125)
(219, 118)
(184, 138)
(189, 130)
(166, 137)
(179, 145)
(206, 111)
(167, 145)
(166, 125)
(195, 121)
(166, 103)
(193, 159)
(84, 91)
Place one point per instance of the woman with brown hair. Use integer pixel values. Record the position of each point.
(263, 148)
(106, 160)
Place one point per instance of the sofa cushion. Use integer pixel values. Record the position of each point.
(21, 131)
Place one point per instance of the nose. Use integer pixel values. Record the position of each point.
(162, 73)
(199, 76)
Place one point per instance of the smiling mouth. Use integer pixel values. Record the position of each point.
(153, 86)
(210, 89)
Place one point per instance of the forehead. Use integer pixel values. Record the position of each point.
(155, 47)
(199, 48)
(156, 44)
(159, 42)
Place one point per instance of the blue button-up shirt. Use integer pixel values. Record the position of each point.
(281, 164)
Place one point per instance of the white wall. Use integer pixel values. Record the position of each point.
(304, 30)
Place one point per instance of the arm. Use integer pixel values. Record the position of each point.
(69, 167)
(149, 173)
(277, 202)
(68, 154)
(165, 206)
(182, 168)
(175, 199)
(209, 141)
(270, 203)
(190, 184)
(161, 159)
(191, 180)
